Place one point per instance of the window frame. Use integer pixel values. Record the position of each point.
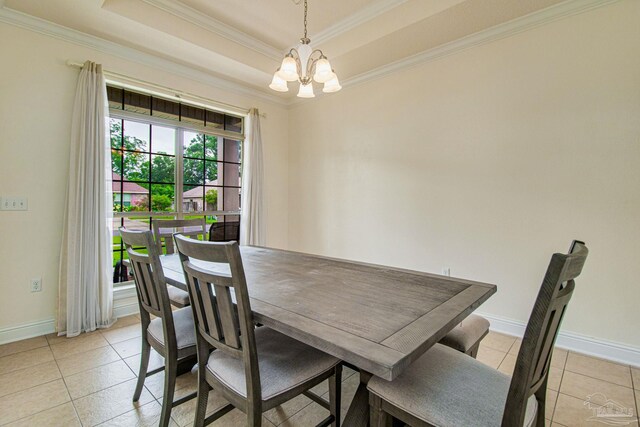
(180, 128)
(178, 147)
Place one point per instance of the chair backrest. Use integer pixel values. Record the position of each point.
(224, 231)
(218, 323)
(164, 229)
(534, 359)
(147, 272)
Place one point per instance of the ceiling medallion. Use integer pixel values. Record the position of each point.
(305, 64)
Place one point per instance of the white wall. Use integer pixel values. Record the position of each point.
(487, 162)
(36, 99)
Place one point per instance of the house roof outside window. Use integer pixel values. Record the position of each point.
(127, 187)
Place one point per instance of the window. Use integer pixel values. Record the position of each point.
(171, 160)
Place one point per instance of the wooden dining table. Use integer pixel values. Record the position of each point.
(379, 319)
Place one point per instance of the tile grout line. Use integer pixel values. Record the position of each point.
(62, 377)
(635, 393)
(23, 351)
(65, 383)
(75, 410)
(47, 382)
(308, 404)
(564, 367)
(121, 358)
(595, 378)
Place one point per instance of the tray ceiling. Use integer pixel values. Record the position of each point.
(243, 40)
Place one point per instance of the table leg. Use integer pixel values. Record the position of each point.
(358, 413)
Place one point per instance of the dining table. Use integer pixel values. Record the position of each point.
(376, 318)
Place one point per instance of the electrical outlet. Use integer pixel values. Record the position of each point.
(36, 285)
(446, 271)
(14, 204)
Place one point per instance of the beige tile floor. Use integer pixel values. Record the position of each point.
(89, 380)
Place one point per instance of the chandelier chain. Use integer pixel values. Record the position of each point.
(305, 19)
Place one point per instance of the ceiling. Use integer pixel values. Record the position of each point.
(243, 41)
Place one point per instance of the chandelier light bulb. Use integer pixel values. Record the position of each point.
(306, 91)
(332, 85)
(324, 73)
(278, 83)
(288, 69)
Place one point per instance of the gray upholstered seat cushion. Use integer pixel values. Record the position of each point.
(466, 334)
(183, 324)
(284, 364)
(178, 296)
(448, 388)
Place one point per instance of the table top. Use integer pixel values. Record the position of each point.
(377, 318)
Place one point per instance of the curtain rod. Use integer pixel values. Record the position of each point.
(130, 83)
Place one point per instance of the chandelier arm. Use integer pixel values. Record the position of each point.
(296, 56)
(311, 63)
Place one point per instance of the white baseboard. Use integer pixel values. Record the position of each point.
(609, 350)
(27, 330)
(125, 301)
(126, 309)
(125, 304)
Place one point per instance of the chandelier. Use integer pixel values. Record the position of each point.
(305, 64)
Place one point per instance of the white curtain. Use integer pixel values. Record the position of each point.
(252, 230)
(85, 299)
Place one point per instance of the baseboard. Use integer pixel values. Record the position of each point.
(126, 304)
(125, 301)
(591, 346)
(27, 330)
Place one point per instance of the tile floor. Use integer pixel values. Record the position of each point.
(89, 380)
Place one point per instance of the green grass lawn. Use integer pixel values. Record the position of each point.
(117, 240)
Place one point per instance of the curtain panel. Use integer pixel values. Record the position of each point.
(85, 299)
(252, 231)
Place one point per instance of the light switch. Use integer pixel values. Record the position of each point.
(14, 204)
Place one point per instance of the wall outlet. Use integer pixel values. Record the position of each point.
(446, 271)
(14, 204)
(36, 285)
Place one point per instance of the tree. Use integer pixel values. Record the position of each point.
(132, 162)
(161, 203)
(211, 197)
(135, 166)
(195, 171)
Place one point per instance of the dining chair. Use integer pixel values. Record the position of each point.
(163, 230)
(255, 369)
(447, 388)
(466, 336)
(224, 231)
(170, 333)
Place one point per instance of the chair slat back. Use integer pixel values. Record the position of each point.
(147, 272)
(164, 229)
(224, 231)
(534, 358)
(224, 325)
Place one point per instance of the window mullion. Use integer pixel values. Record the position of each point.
(179, 178)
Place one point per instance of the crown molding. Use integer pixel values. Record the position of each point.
(41, 26)
(365, 14)
(497, 32)
(191, 15)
